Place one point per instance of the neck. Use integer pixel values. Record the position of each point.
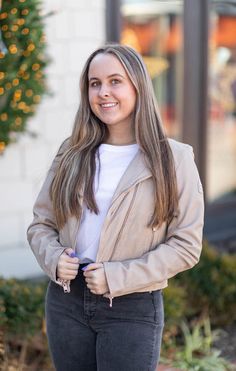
(119, 138)
(118, 143)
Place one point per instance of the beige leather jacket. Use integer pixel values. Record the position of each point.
(136, 258)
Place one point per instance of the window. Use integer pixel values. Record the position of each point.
(154, 29)
(221, 138)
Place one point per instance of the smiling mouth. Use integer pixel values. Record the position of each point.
(108, 105)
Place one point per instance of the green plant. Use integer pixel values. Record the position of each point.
(21, 306)
(175, 303)
(210, 287)
(196, 354)
(205, 290)
(23, 342)
(23, 61)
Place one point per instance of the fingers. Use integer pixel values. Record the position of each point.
(67, 260)
(69, 251)
(91, 267)
(95, 278)
(70, 256)
(66, 276)
(67, 267)
(65, 273)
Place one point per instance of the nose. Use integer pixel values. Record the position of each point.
(104, 90)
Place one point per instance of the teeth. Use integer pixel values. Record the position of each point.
(106, 105)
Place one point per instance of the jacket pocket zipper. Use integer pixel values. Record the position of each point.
(153, 232)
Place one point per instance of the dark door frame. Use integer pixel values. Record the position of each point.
(113, 20)
(195, 93)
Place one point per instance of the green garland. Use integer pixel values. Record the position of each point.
(22, 65)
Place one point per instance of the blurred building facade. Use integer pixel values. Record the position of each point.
(190, 50)
(75, 29)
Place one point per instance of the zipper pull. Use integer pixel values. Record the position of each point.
(110, 298)
(65, 284)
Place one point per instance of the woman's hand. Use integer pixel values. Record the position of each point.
(67, 267)
(96, 279)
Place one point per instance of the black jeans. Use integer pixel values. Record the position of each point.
(86, 334)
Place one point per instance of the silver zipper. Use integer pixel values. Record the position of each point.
(110, 299)
(153, 231)
(65, 285)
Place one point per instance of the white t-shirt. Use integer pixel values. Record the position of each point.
(114, 160)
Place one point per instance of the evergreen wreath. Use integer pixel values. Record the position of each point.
(22, 65)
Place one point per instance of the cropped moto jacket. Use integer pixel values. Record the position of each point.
(136, 257)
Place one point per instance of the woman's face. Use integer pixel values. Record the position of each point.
(112, 96)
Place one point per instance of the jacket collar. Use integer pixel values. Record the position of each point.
(136, 172)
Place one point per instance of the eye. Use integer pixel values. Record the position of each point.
(115, 81)
(94, 84)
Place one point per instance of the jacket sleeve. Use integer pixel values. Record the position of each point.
(182, 246)
(42, 234)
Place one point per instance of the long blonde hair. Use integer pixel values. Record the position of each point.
(73, 181)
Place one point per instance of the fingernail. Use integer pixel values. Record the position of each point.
(73, 255)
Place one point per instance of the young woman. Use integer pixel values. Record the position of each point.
(120, 212)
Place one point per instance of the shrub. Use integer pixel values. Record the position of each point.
(196, 352)
(21, 305)
(210, 287)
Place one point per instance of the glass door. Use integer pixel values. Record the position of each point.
(221, 135)
(154, 29)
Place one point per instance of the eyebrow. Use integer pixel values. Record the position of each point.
(112, 75)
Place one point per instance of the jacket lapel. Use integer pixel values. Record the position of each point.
(135, 172)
